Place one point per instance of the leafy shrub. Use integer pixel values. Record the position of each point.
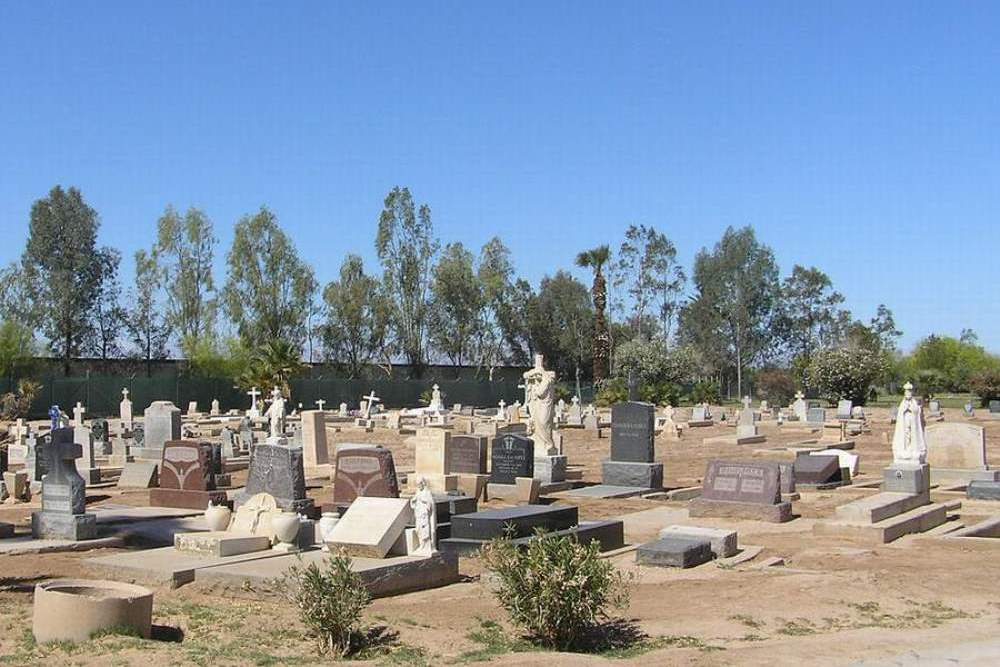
(556, 589)
(776, 386)
(653, 361)
(564, 391)
(330, 602)
(846, 373)
(16, 404)
(706, 392)
(986, 385)
(611, 392)
(660, 393)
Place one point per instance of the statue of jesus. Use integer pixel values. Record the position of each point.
(540, 386)
(908, 444)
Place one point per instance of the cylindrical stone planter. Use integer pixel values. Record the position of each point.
(76, 609)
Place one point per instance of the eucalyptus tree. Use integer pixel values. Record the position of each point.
(355, 329)
(268, 291)
(595, 259)
(145, 321)
(185, 248)
(457, 304)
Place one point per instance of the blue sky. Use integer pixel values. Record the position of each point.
(861, 138)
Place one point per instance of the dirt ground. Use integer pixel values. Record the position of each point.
(833, 601)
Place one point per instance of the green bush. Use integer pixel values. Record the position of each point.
(653, 361)
(706, 392)
(555, 588)
(661, 393)
(330, 602)
(611, 392)
(986, 385)
(846, 373)
(776, 386)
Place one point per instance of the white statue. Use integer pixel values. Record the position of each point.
(908, 444)
(276, 414)
(541, 388)
(424, 520)
(437, 405)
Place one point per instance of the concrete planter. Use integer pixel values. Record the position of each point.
(75, 609)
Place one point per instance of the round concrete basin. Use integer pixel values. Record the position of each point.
(76, 609)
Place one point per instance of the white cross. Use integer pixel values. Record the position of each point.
(799, 395)
(435, 387)
(78, 414)
(502, 404)
(321, 403)
(371, 398)
(125, 394)
(253, 394)
(746, 402)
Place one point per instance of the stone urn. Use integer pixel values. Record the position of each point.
(286, 529)
(327, 523)
(217, 517)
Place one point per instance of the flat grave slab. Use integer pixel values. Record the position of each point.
(108, 514)
(220, 544)
(610, 535)
(371, 526)
(602, 491)
(983, 490)
(674, 551)
(27, 545)
(382, 576)
(722, 541)
(489, 524)
(163, 566)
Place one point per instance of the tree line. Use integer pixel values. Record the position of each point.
(734, 324)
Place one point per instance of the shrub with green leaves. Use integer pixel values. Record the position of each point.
(775, 385)
(556, 589)
(330, 601)
(986, 385)
(706, 392)
(846, 373)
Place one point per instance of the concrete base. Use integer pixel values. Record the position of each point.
(63, 526)
(220, 544)
(474, 486)
(550, 469)
(91, 476)
(724, 509)
(623, 473)
(524, 490)
(701, 423)
(163, 566)
(917, 520)
(907, 478)
(952, 476)
(979, 490)
(675, 551)
(880, 507)
(195, 500)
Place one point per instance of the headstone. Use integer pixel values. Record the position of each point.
(468, 454)
(995, 407)
(746, 422)
(371, 526)
(632, 432)
(750, 489)
(632, 449)
(848, 460)
(575, 415)
(314, 448)
(187, 478)
(138, 475)
(277, 470)
(432, 460)
(674, 551)
(956, 446)
(819, 471)
(216, 409)
(799, 407)
(86, 464)
(342, 411)
(63, 514)
(513, 456)
(246, 435)
(816, 415)
(125, 411)
(254, 411)
(844, 409)
(364, 471)
(161, 423)
(969, 410)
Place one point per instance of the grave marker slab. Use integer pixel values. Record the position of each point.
(63, 514)
(512, 456)
(278, 470)
(742, 490)
(632, 432)
(161, 423)
(364, 471)
(187, 478)
(468, 454)
(818, 471)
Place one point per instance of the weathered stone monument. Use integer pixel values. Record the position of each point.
(314, 447)
(278, 471)
(187, 477)
(363, 471)
(632, 462)
(125, 411)
(161, 423)
(63, 514)
(432, 461)
(956, 453)
(742, 490)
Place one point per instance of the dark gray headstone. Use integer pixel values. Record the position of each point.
(138, 436)
(99, 429)
(746, 482)
(278, 470)
(994, 407)
(632, 432)
(817, 469)
(787, 483)
(513, 456)
(468, 454)
(364, 471)
(520, 521)
(63, 493)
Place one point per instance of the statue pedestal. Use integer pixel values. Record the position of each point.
(906, 477)
(550, 469)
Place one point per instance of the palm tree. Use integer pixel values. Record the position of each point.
(595, 259)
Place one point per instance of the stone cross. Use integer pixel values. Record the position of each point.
(321, 403)
(125, 393)
(799, 395)
(369, 400)
(78, 414)
(746, 402)
(253, 394)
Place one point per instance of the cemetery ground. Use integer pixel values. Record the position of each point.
(833, 599)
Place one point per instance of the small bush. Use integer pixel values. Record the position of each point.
(330, 602)
(611, 392)
(660, 393)
(776, 386)
(706, 392)
(556, 589)
(986, 385)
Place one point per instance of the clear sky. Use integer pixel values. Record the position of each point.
(858, 137)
